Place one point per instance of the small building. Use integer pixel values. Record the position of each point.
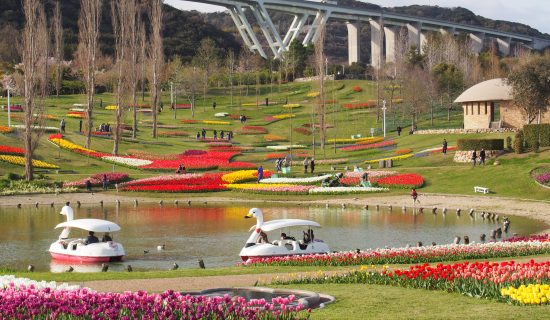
(489, 105)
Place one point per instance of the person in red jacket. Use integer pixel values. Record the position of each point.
(414, 195)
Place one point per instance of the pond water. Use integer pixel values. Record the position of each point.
(216, 234)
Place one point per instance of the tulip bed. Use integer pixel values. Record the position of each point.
(11, 150)
(4, 129)
(173, 134)
(360, 105)
(253, 130)
(369, 146)
(542, 175)
(395, 158)
(96, 179)
(243, 176)
(76, 114)
(411, 255)
(286, 147)
(30, 302)
(207, 182)
(20, 161)
(349, 140)
(406, 181)
(274, 138)
(292, 106)
(492, 280)
(270, 188)
(303, 131)
(237, 165)
(300, 181)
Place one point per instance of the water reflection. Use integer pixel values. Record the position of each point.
(216, 234)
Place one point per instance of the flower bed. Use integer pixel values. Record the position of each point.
(405, 181)
(403, 151)
(300, 181)
(111, 107)
(370, 141)
(243, 176)
(13, 108)
(11, 150)
(360, 105)
(369, 146)
(274, 138)
(221, 114)
(29, 302)
(9, 281)
(173, 134)
(284, 116)
(303, 131)
(371, 173)
(292, 106)
(313, 94)
(97, 179)
(4, 129)
(395, 158)
(430, 254)
(349, 140)
(36, 128)
(240, 165)
(542, 176)
(76, 114)
(270, 188)
(286, 147)
(252, 130)
(537, 237)
(345, 190)
(20, 161)
(217, 122)
(189, 121)
(532, 294)
(357, 89)
(181, 106)
(207, 182)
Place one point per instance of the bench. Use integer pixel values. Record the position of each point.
(481, 189)
(339, 168)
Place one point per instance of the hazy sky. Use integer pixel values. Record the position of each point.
(535, 13)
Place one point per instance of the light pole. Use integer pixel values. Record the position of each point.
(172, 98)
(384, 109)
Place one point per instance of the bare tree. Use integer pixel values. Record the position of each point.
(230, 65)
(134, 20)
(320, 60)
(57, 25)
(34, 48)
(207, 59)
(142, 57)
(156, 57)
(122, 19)
(90, 16)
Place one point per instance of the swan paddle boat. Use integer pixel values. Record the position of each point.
(257, 246)
(79, 249)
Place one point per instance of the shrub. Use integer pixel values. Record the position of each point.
(537, 133)
(518, 142)
(478, 144)
(536, 146)
(509, 143)
(14, 176)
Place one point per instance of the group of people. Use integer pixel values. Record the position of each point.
(481, 157)
(280, 163)
(308, 163)
(242, 118)
(104, 183)
(181, 169)
(308, 238)
(104, 127)
(223, 134)
(91, 238)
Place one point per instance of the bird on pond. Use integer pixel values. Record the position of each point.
(30, 268)
(129, 268)
(161, 247)
(71, 269)
(175, 266)
(145, 251)
(104, 267)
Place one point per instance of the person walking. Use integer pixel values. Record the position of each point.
(62, 125)
(414, 196)
(474, 157)
(306, 164)
(215, 134)
(312, 165)
(203, 133)
(482, 157)
(260, 173)
(80, 126)
(222, 134)
(444, 146)
(88, 185)
(214, 105)
(399, 130)
(105, 181)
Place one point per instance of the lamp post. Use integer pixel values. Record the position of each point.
(384, 110)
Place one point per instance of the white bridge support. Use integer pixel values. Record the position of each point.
(414, 35)
(504, 45)
(245, 29)
(376, 42)
(295, 28)
(476, 42)
(390, 35)
(266, 25)
(354, 53)
(320, 21)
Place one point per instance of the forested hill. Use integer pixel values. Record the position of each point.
(184, 30)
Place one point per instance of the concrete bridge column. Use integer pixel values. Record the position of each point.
(414, 34)
(504, 45)
(476, 42)
(390, 37)
(375, 44)
(423, 41)
(354, 52)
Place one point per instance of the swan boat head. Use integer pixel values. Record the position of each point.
(258, 214)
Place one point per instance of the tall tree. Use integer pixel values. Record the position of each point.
(121, 18)
(89, 20)
(531, 87)
(134, 20)
(156, 57)
(320, 64)
(57, 25)
(230, 65)
(34, 48)
(207, 59)
(450, 82)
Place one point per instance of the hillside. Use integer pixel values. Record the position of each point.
(185, 29)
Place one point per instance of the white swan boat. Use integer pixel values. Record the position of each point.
(78, 249)
(255, 248)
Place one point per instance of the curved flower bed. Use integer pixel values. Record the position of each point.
(111, 107)
(303, 131)
(270, 188)
(207, 182)
(274, 138)
(9, 281)
(358, 140)
(127, 161)
(360, 105)
(96, 179)
(452, 252)
(308, 180)
(369, 146)
(286, 147)
(76, 114)
(239, 165)
(357, 89)
(371, 140)
(492, 280)
(30, 302)
(292, 106)
(20, 161)
(284, 116)
(313, 94)
(243, 176)
(252, 130)
(173, 134)
(346, 190)
(403, 151)
(405, 181)
(395, 158)
(216, 122)
(542, 176)
(11, 150)
(4, 129)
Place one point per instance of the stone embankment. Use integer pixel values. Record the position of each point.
(466, 156)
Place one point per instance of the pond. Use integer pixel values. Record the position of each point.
(216, 234)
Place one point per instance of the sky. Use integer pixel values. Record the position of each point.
(531, 12)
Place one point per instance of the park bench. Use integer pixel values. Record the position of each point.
(481, 189)
(339, 168)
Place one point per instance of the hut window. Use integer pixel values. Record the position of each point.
(466, 109)
(485, 108)
(478, 105)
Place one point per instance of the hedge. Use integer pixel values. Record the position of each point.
(534, 132)
(478, 144)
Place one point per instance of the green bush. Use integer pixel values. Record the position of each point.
(14, 176)
(478, 144)
(518, 142)
(537, 133)
(509, 143)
